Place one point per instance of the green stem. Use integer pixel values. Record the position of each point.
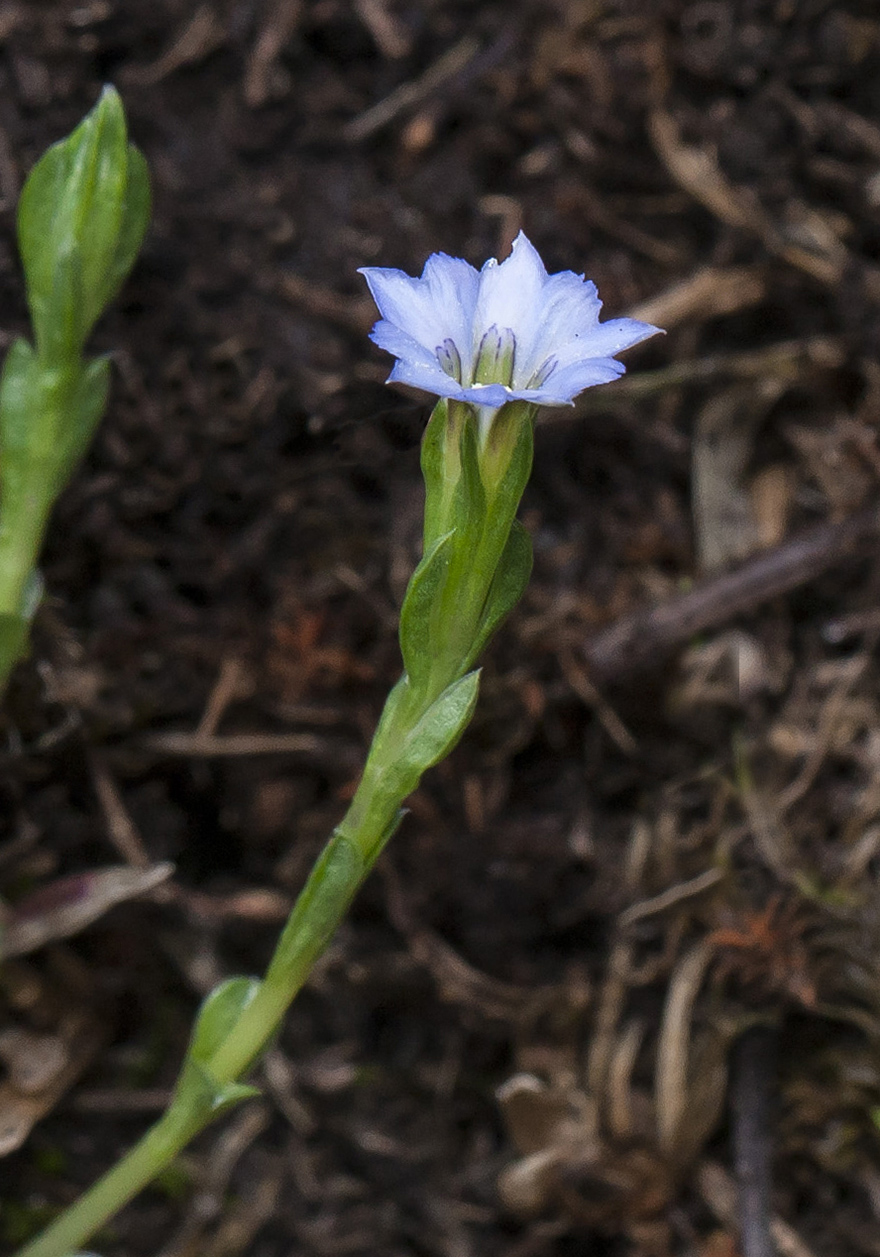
(19, 549)
(333, 883)
(158, 1147)
(21, 532)
(401, 750)
(319, 909)
(36, 410)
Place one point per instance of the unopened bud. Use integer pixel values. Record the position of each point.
(81, 219)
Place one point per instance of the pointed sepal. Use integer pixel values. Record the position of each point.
(508, 585)
(419, 613)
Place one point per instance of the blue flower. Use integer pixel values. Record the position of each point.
(508, 332)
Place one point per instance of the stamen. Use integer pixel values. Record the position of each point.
(544, 371)
(449, 358)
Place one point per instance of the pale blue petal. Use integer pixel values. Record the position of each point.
(539, 396)
(602, 341)
(569, 298)
(388, 336)
(511, 295)
(430, 376)
(434, 308)
(568, 307)
(454, 286)
(421, 369)
(554, 320)
(492, 395)
(406, 303)
(578, 294)
(432, 379)
(563, 385)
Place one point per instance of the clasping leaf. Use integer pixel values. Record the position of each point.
(199, 1096)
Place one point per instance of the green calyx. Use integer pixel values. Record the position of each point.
(476, 560)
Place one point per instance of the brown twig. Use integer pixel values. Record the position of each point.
(645, 639)
(121, 829)
(453, 72)
(753, 1068)
(235, 744)
(717, 1189)
(412, 93)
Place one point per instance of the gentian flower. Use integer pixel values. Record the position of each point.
(509, 332)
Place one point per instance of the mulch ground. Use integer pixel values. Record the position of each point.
(623, 953)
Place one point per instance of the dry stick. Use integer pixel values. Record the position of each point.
(457, 68)
(645, 639)
(412, 93)
(716, 1188)
(753, 1069)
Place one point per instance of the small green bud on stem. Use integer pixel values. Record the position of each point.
(81, 221)
(82, 217)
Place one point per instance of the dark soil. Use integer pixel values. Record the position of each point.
(619, 872)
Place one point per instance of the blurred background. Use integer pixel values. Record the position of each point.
(624, 951)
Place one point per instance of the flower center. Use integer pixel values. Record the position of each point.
(493, 362)
(495, 355)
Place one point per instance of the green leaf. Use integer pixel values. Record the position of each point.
(454, 496)
(508, 585)
(419, 611)
(322, 903)
(20, 395)
(84, 412)
(48, 415)
(431, 739)
(14, 627)
(199, 1096)
(219, 1012)
(438, 731)
(399, 757)
(390, 712)
(13, 641)
(29, 451)
(133, 227)
(81, 219)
